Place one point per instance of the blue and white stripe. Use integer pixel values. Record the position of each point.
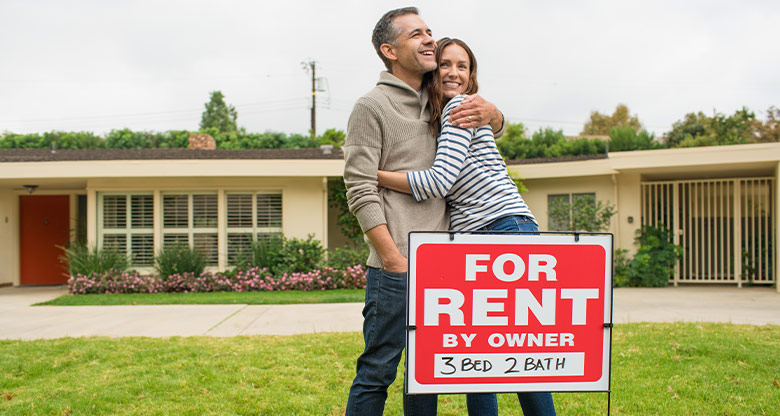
(469, 171)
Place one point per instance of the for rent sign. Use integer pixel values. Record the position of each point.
(505, 313)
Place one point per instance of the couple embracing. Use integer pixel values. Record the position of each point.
(421, 156)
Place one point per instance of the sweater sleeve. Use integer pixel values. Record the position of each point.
(452, 149)
(362, 153)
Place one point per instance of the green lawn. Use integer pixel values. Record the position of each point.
(657, 369)
(251, 298)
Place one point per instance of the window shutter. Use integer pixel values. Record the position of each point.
(175, 211)
(269, 210)
(176, 240)
(114, 211)
(142, 249)
(237, 243)
(115, 242)
(207, 244)
(141, 211)
(204, 211)
(239, 210)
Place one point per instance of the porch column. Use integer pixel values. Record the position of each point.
(92, 217)
(737, 209)
(325, 212)
(777, 226)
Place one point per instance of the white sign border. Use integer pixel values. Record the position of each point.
(417, 238)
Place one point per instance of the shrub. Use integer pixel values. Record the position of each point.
(348, 223)
(263, 252)
(179, 259)
(250, 280)
(341, 258)
(112, 281)
(621, 268)
(83, 260)
(298, 256)
(653, 263)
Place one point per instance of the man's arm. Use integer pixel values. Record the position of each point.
(362, 152)
(475, 111)
(394, 180)
(392, 259)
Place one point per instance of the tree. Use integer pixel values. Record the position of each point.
(769, 131)
(52, 140)
(219, 115)
(333, 137)
(626, 138)
(601, 124)
(511, 144)
(701, 130)
(348, 223)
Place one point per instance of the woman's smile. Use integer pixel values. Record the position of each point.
(454, 70)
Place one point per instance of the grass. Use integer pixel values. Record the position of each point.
(657, 369)
(250, 298)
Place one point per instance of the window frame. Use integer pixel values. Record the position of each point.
(570, 197)
(128, 231)
(191, 230)
(255, 230)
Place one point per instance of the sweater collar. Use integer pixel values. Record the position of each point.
(410, 96)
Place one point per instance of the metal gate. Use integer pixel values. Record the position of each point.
(725, 226)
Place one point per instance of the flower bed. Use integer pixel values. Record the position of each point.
(251, 280)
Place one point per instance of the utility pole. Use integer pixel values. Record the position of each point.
(317, 84)
(313, 66)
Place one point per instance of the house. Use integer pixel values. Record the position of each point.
(138, 200)
(721, 202)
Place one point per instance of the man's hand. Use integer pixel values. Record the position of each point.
(392, 259)
(396, 265)
(475, 111)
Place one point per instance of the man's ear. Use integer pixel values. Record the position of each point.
(388, 51)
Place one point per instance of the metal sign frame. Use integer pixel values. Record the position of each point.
(557, 239)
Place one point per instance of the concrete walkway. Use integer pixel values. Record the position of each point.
(20, 320)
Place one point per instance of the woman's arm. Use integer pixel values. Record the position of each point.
(451, 152)
(394, 180)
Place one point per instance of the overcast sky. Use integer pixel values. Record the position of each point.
(150, 65)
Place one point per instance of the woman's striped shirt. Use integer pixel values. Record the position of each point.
(470, 173)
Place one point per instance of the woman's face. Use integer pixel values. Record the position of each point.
(454, 70)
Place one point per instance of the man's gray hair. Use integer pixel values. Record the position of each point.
(386, 31)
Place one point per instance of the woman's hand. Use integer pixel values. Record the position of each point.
(475, 111)
(393, 180)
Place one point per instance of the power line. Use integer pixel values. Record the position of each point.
(148, 114)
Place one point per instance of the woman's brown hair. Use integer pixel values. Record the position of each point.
(432, 82)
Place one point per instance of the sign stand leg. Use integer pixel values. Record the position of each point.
(609, 400)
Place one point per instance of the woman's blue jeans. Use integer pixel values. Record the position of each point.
(536, 404)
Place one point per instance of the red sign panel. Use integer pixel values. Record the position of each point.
(495, 313)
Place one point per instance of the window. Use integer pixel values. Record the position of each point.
(191, 219)
(251, 215)
(126, 225)
(570, 212)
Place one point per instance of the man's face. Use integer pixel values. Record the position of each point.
(415, 48)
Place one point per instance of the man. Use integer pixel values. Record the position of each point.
(388, 130)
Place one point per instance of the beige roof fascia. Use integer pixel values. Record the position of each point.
(696, 156)
(564, 169)
(173, 168)
(725, 156)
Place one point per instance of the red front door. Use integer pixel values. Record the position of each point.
(45, 221)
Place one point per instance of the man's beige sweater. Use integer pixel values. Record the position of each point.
(388, 130)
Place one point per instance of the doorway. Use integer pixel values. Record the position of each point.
(44, 228)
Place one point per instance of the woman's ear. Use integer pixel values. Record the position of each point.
(388, 51)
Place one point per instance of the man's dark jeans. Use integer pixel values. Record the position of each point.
(384, 319)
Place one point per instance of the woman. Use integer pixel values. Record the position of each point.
(469, 172)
